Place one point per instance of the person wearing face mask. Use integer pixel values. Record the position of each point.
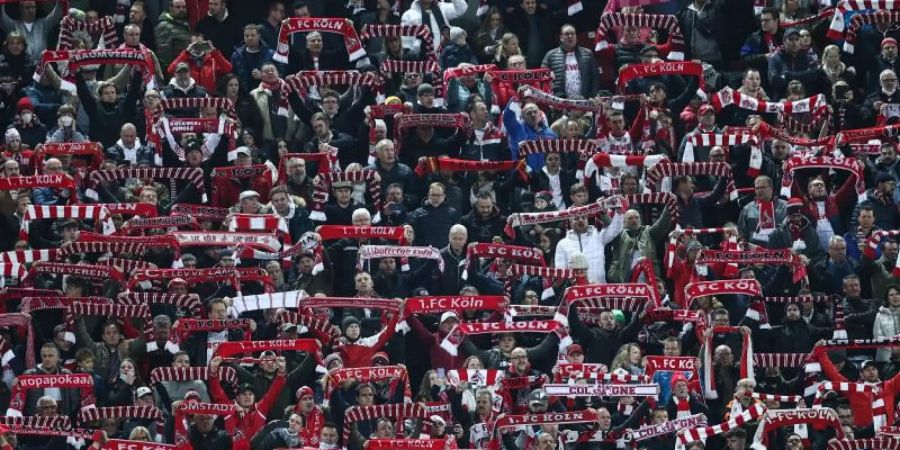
(66, 130)
(31, 131)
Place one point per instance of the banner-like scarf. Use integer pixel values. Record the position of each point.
(702, 434)
(656, 363)
(94, 150)
(337, 25)
(226, 349)
(192, 174)
(665, 22)
(624, 296)
(688, 68)
(547, 99)
(477, 378)
(28, 256)
(458, 303)
(122, 444)
(516, 77)
(200, 212)
(129, 57)
(728, 139)
(403, 122)
(405, 444)
(82, 381)
(211, 275)
(104, 28)
(323, 191)
(274, 300)
(748, 287)
(456, 336)
(367, 252)
(55, 181)
(555, 418)
(601, 390)
(43, 303)
(264, 241)
(422, 32)
(369, 374)
(466, 71)
(515, 253)
(188, 302)
(118, 248)
(444, 163)
(776, 418)
(185, 408)
(594, 371)
(241, 172)
(620, 161)
(131, 209)
(158, 223)
(187, 326)
(37, 212)
(152, 241)
(769, 132)
(667, 427)
(669, 169)
(666, 199)
(709, 379)
(822, 162)
(110, 412)
(94, 272)
(317, 325)
(836, 29)
(335, 232)
(783, 256)
(393, 66)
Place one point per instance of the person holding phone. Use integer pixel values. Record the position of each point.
(205, 62)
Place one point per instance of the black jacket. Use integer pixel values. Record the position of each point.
(432, 224)
(215, 440)
(601, 346)
(106, 118)
(484, 229)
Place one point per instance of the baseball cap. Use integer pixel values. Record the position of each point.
(142, 391)
(182, 66)
(867, 363)
(704, 109)
(537, 396)
(791, 31)
(248, 194)
(177, 281)
(242, 150)
(246, 387)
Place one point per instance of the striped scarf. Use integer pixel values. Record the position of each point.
(876, 443)
(81, 212)
(28, 256)
(776, 418)
(182, 374)
(82, 381)
(394, 410)
(186, 408)
(394, 66)
(746, 366)
(110, 412)
(547, 99)
(194, 175)
(319, 326)
(301, 81)
(340, 26)
(669, 169)
(466, 71)
(367, 375)
(105, 28)
(422, 32)
(781, 360)
(703, 433)
(669, 23)
(367, 252)
(727, 96)
(534, 218)
(94, 272)
(72, 248)
(31, 304)
(94, 150)
(144, 59)
(323, 188)
(667, 199)
(451, 343)
(836, 29)
(141, 312)
(432, 164)
(200, 212)
(404, 122)
(156, 223)
(726, 140)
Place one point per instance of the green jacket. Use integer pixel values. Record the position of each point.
(172, 36)
(880, 274)
(643, 240)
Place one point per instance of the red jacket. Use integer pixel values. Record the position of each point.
(243, 427)
(860, 402)
(214, 65)
(359, 353)
(432, 343)
(226, 190)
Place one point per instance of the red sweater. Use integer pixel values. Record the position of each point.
(243, 427)
(214, 65)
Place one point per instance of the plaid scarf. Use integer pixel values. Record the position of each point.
(658, 21)
(194, 175)
(341, 26)
(422, 32)
(836, 29)
(323, 188)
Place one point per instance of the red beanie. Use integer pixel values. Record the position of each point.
(24, 103)
(888, 40)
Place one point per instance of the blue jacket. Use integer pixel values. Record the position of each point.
(243, 63)
(518, 132)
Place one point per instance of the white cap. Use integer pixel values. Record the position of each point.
(438, 419)
(449, 315)
(242, 149)
(248, 194)
(142, 391)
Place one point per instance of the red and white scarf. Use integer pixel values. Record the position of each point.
(109, 412)
(431, 165)
(141, 312)
(548, 99)
(876, 443)
(55, 181)
(144, 59)
(702, 434)
(667, 427)
(94, 272)
(192, 174)
(187, 302)
(325, 163)
(666, 199)
(684, 68)
(746, 368)
(187, 408)
(104, 28)
(28, 256)
(323, 189)
(533, 218)
(201, 212)
(422, 32)
(340, 26)
(37, 212)
(187, 326)
(394, 410)
(601, 160)
(669, 169)
(776, 418)
(748, 287)
(182, 374)
(659, 21)
(25, 383)
(404, 122)
(836, 29)
(466, 71)
(728, 139)
(624, 296)
(210, 275)
(274, 300)
(727, 96)
(405, 444)
(477, 378)
(367, 252)
(301, 81)
(94, 150)
(601, 390)
(368, 374)
(867, 18)
(759, 256)
(516, 253)
(456, 336)
(122, 444)
(822, 162)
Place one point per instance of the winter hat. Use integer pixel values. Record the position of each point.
(349, 320)
(332, 358)
(380, 357)
(12, 134)
(23, 104)
(303, 392)
(794, 206)
(578, 261)
(883, 177)
(457, 33)
(888, 41)
(678, 377)
(546, 196)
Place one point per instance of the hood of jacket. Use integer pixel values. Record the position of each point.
(185, 90)
(168, 18)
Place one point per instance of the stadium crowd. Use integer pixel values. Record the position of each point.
(427, 224)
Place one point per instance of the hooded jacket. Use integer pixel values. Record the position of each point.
(483, 229)
(172, 36)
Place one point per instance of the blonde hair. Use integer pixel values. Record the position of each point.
(622, 359)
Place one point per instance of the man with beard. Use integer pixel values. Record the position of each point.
(876, 103)
(860, 232)
(500, 357)
(586, 239)
(298, 184)
(392, 171)
(887, 162)
(134, 40)
(859, 315)
(69, 399)
(484, 223)
(517, 395)
(204, 435)
(707, 124)
(173, 32)
(601, 343)
(826, 208)
(881, 199)
(309, 282)
(794, 335)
